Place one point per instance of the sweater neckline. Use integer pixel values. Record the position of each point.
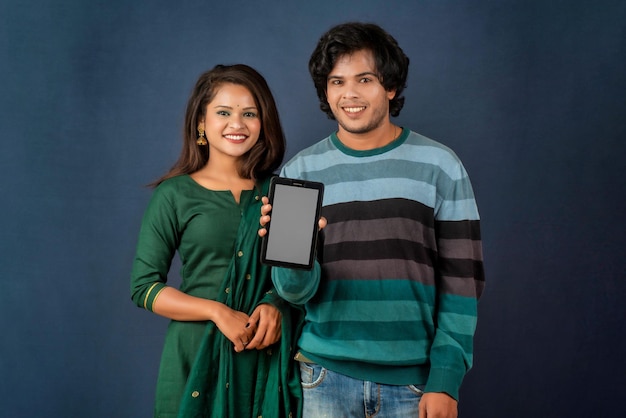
(370, 152)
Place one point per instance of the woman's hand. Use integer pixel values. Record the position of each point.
(266, 320)
(235, 326)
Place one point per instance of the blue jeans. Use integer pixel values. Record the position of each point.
(327, 394)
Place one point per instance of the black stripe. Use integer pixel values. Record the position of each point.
(379, 209)
(455, 267)
(458, 230)
(379, 250)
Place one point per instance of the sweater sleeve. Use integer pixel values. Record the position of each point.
(296, 286)
(156, 246)
(460, 281)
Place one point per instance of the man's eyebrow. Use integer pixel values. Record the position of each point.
(355, 76)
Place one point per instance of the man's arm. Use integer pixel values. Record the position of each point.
(296, 286)
(460, 281)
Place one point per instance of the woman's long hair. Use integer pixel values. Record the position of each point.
(265, 157)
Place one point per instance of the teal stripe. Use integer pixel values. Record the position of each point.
(360, 317)
(390, 168)
(445, 341)
(461, 324)
(458, 210)
(413, 330)
(451, 303)
(369, 311)
(379, 189)
(416, 149)
(387, 180)
(372, 290)
(393, 352)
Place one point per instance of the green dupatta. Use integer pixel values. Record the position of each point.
(253, 383)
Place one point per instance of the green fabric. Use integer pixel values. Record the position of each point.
(202, 226)
(253, 383)
(198, 223)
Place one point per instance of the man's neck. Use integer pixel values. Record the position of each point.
(375, 138)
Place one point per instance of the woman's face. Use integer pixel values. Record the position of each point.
(232, 122)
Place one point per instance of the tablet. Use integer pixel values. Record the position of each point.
(291, 235)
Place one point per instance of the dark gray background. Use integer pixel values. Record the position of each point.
(530, 94)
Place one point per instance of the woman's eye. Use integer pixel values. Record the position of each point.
(223, 113)
(250, 115)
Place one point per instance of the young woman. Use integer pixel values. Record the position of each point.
(227, 350)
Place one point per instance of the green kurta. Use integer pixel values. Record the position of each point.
(218, 245)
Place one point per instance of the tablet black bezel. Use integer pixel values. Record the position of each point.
(264, 243)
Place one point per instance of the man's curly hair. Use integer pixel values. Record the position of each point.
(392, 64)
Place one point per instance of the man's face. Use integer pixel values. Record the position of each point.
(356, 97)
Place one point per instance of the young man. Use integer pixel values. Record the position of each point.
(391, 310)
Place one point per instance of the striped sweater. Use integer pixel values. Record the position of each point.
(394, 300)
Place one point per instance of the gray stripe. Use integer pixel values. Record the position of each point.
(380, 229)
(462, 286)
(464, 249)
(380, 270)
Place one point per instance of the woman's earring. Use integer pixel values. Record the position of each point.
(201, 139)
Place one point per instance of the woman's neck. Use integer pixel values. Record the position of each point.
(215, 176)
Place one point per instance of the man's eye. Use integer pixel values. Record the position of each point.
(366, 80)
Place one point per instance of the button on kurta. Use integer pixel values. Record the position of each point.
(195, 394)
(239, 253)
